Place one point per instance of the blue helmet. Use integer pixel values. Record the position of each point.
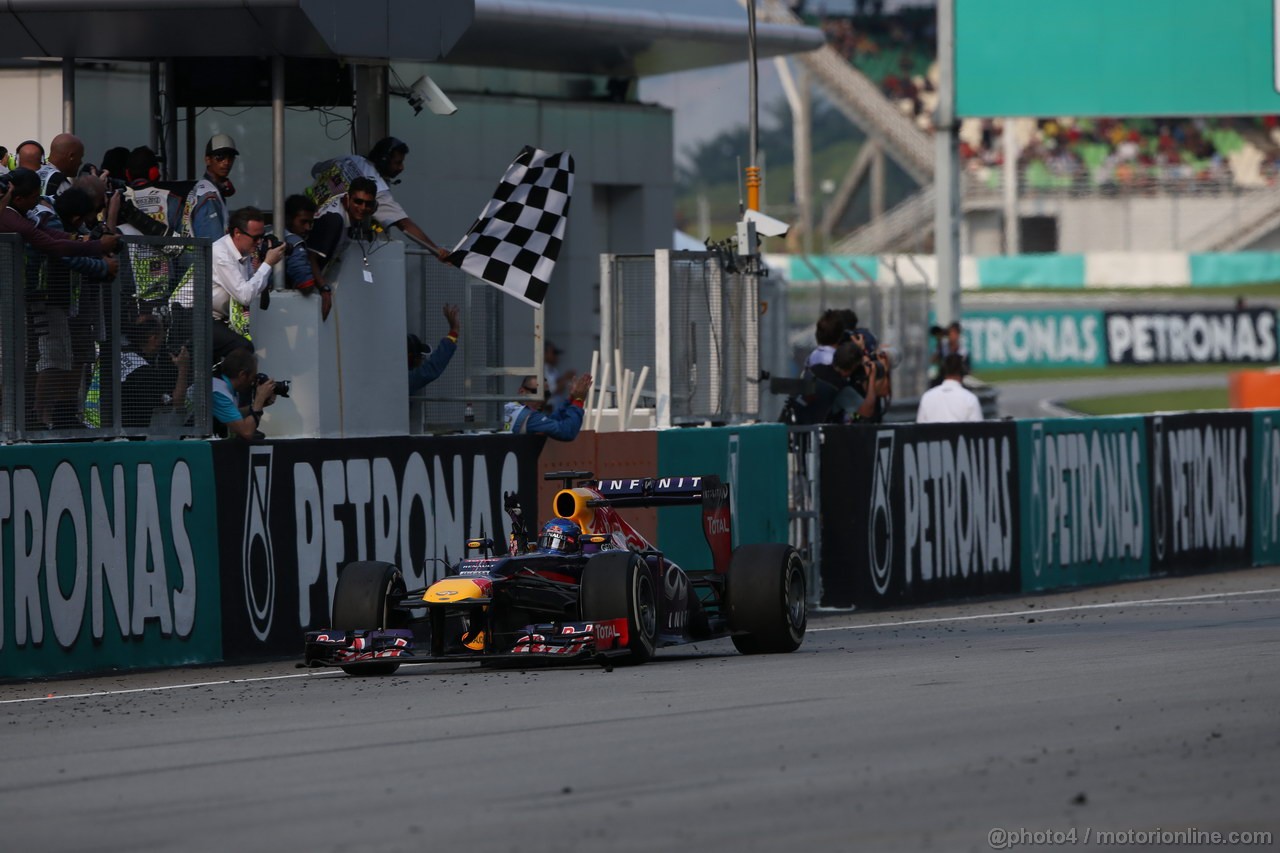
(560, 535)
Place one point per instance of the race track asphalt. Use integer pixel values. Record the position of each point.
(1134, 707)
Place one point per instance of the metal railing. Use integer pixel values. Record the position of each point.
(804, 502)
(79, 363)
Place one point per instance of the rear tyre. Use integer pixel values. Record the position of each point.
(361, 602)
(618, 585)
(766, 591)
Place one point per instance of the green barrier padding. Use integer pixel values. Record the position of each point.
(1266, 487)
(1085, 506)
(999, 340)
(1026, 271)
(833, 268)
(1228, 269)
(752, 460)
(109, 556)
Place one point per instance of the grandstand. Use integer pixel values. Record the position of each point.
(1080, 179)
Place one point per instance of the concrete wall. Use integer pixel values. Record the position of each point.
(1117, 224)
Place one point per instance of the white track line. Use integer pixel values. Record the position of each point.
(900, 624)
(1140, 602)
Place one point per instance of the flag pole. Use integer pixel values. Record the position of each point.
(753, 96)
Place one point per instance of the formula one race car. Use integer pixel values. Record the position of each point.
(588, 588)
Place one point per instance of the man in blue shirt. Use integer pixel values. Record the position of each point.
(239, 370)
(426, 370)
(532, 416)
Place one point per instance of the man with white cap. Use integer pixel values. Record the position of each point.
(205, 213)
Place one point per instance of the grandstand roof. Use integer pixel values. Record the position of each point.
(527, 34)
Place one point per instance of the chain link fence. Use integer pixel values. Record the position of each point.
(693, 319)
(89, 354)
(500, 342)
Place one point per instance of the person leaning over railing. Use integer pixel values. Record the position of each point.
(21, 197)
(531, 415)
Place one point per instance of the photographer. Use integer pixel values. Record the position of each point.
(241, 271)
(237, 373)
(149, 378)
(841, 392)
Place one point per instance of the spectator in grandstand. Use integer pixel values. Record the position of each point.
(149, 378)
(950, 401)
(241, 271)
(531, 414)
(426, 364)
(237, 374)
(24, 195)
(205, 212)
(30, 155)
(383, 165)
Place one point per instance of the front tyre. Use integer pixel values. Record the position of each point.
(767, 607)
(618, 585)
(361, 601)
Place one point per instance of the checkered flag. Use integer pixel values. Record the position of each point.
(515, 242)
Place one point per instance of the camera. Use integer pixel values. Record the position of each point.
(282, 385)
(937, 331)
(425, 91)
(269, 242)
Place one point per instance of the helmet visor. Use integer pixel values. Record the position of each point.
(555, 539)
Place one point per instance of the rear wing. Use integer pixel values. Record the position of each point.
(707, 491)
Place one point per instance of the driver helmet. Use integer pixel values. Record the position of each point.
(560, 535)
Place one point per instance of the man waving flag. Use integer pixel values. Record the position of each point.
(515, 242)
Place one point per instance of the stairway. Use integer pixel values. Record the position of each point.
(861, 101)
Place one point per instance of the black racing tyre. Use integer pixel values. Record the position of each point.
(766, 591)
(618, 585)
(360, 601)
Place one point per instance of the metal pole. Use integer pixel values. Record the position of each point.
(170, 153)
(68, 94)
(1011, 246)
(946, 226)
(154, 84)
(753, 107)
(277, 160)
(191, 144)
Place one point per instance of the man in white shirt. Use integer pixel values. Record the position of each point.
(239, 274)
(949, 402)
(383, 166)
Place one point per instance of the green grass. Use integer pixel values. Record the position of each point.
(995, 377)
(1187, 400)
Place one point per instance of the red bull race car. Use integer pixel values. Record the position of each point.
(589, 587)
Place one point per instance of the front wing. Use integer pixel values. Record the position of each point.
(563, 641)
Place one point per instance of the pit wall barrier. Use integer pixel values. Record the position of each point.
(108, 557)
(1089, 338)
(1039, 271)
(913, 514)
(290, 513)
(751, 459)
